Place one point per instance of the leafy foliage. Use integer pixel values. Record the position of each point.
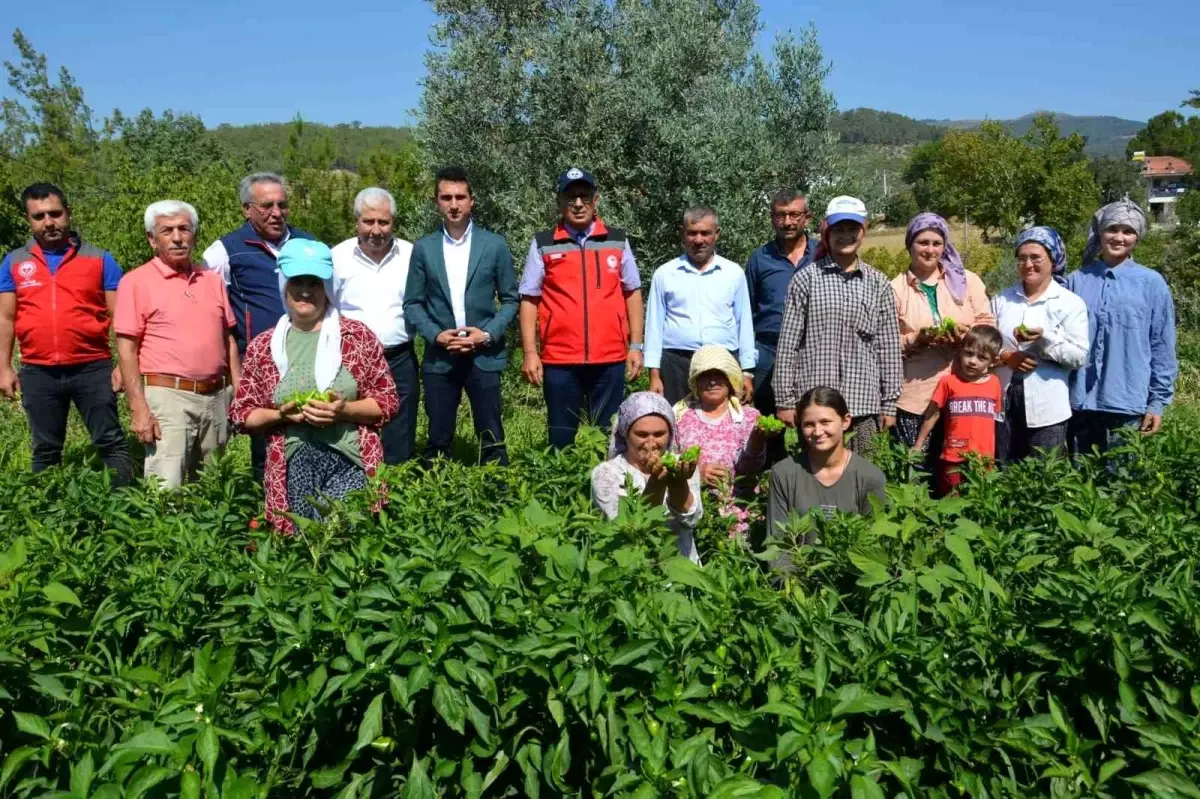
(668, 104)
(868, 126)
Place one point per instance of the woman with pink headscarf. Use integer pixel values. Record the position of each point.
(935, 287)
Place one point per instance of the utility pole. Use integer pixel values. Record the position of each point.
(966, 227)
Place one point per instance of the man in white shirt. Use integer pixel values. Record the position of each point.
(461, 297)
(369, 274)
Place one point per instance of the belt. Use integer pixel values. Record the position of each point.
(398, 349)
(186, 384)
(680, 353)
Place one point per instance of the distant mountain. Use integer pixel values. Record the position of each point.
(1105, 135)
(868, 126)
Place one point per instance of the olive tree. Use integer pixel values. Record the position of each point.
(668, 103)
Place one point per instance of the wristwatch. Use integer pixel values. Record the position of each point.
(636, 346)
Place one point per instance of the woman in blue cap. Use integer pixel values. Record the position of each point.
(318, 387)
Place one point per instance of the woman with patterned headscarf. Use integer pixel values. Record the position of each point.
(1129, 376)
(1045, 330)
(936, 287)
(644, 430)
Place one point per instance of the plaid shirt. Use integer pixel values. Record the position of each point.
(840, 330)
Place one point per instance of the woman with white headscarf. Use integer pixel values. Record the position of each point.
(1129, 376)
(319, 448)
(644, 431)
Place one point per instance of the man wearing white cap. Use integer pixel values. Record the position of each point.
(840, 330)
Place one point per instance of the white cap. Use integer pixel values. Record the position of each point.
(842, 208)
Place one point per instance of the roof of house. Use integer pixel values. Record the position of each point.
(1164, 165)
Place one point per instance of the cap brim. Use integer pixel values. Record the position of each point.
(319, 271)
(833, 219)
(585, 181)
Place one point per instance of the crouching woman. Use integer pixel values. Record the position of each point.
(321, 449)
(644, 431)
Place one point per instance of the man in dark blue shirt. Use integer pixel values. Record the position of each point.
(768, 273)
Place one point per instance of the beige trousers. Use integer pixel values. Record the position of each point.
(193, 426)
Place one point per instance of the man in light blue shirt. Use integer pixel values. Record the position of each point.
(1129, 377)
(697, 299)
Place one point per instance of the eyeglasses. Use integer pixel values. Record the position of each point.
(265, 207)
(788, 216)
(1032, 260)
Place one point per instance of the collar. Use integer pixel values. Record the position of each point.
(358, 250)
(168, 271)
(453, 242)
(829, 265)
(563, 232)
(1052, 291)
(253, 236)
(713, 265)
(809, 246)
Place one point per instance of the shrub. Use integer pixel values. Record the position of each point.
(489, 633)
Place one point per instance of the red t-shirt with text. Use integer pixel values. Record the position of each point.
(969, 412)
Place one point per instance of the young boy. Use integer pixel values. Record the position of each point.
(972, 398)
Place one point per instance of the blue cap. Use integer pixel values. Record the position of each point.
(300, 257)
(575, 175)
(845, 208)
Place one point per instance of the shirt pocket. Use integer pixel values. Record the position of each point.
(1130, 317)
(865, 318)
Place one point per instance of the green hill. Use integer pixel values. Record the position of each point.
(263, 145)
(868, 126)
(1105, 135)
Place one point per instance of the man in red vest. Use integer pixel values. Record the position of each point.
(581, 299)
(57, 295)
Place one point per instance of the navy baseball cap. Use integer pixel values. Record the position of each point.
(575, 175)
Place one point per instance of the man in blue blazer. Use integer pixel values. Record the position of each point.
(461, 297)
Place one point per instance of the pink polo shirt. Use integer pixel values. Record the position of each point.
(180, 318)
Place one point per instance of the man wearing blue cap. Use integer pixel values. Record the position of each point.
(581, 312)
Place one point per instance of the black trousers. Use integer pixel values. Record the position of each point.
(47, 393)
(443, 393)
(1015, 439)
(674, 369)
(399, 435)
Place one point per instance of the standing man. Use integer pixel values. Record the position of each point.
(461, 297)
(839, 330)
(581, 299)
(369, 273)
(768, 272)
(57, 296)
(696, 299)
(179, 356)
(245, 259)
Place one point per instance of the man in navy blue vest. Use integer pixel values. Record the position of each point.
(245, 258)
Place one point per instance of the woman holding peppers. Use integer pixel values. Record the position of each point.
(318, 387)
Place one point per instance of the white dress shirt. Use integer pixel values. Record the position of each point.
(216, 257)
(457, 255)
(373, 293)
(1063, 347)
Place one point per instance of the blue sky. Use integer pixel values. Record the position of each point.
(242, 62)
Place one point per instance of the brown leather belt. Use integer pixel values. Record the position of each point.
(186, 384)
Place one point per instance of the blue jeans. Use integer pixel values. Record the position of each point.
(1088, 430)
(566, 387)
(443, 393)
(47, 393)
(399, 435)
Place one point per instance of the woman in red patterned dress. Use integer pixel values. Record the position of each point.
(318, 387)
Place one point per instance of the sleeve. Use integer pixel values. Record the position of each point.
(217, 259)
(1164, 367)
(750, 461)
(692, 517)
(908, 331)
(128, 319)
(533, 274)
(506, 293)
(873, 484)
(230, 322)
(743, 317)
(655, 313)
(887, 346)
(256, 388)
(977, 296)
(112, 272)
(1067, 343)
(941, 393)
(370, 370)
(779, 500)
(415, 296)
(606, 489)
(631, 279)
(791, 335)
(6, 279)
(752, 280)
(998, 393)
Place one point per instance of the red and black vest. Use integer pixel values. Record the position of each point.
(62, 318)
(581, 316)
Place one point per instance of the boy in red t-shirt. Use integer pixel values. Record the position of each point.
(972, 397)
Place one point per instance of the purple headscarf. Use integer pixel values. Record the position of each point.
(635, 406)
(952, 265)
(1053, 244)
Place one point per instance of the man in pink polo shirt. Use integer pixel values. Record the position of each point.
(178, 355)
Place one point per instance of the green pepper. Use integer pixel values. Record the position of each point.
(769, 424)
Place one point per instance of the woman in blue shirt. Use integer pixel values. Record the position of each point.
(1129, 376)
